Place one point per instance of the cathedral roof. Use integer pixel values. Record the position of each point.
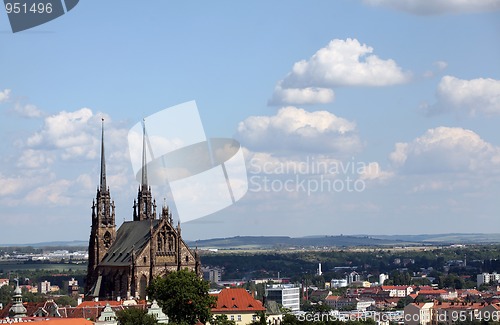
(131, 236)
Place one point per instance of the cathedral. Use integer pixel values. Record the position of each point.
(123, 262)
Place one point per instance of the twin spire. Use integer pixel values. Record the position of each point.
(103, 162)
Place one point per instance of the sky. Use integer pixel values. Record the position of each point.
(355, 117)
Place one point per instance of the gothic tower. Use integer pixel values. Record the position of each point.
(103, 229)
(144, 206)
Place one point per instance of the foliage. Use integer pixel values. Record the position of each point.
(66, 301)
(260, 319)
(5, 294)
(134, 316)
(183, 296)
(222, 320)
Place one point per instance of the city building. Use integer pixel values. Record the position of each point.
(338, 283)
(287, 295)
(123, 262)
(4, 282)
(238, 305)
(44, 287)
(487, 278)
(213, 275)
(419, 313)
(399, 291)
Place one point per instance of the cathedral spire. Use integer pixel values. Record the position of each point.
(103, 162)
(144, 160)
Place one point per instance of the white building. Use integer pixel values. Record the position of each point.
(486, 278)
(44, 287)
(382, 277)
(288, 295)
(338, 283)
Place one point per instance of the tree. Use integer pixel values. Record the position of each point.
(134, 316)
(5, 294)
(222, 320)
(260, 319)
(183, 296)
(66, 301)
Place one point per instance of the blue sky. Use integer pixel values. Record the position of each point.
(409, 91)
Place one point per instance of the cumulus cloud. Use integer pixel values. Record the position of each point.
(436, 7)
(474, 97)
(75, 133)
(340, 63)
(373, 171)
(446, 150)
(4, 95)
(295, 129)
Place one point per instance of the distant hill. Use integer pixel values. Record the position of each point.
(256, 242)
(453, 238)
(74, 243)
(283, 241)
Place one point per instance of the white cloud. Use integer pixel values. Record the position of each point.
(4, 95)
(11, 185)
(340, 63)
(373, 171)
(28, 110)
(435, 7)
(35, 159)
(301, 96)
(438, 67)
(476, 96)
(76, 133)
(446, 150)
(295, 129)
(345, 63)
(56, 193)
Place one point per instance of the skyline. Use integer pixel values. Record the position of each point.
(402, 97)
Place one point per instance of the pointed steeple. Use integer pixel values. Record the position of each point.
(103, 186)
(144, 160)
(146, 206)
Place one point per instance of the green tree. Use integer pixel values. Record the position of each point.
(66, 301)
(6, 294)
(222, 320)
(134, 316)
(183, 296)
(260, 319)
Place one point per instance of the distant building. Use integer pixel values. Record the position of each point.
(4, 282)
(214, 275)
(288, 295)
(71, 287)
(382, 277)
(419, 313)
(486, 278)
(44, 287)
(397, 291)
(353, 277)
(338, 283)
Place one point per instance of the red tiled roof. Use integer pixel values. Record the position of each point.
(433, 292)
(66, 321)
(335, 298)
(100, 303)
(236, 300)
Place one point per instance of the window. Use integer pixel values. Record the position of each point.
(239, 318)
(232, 317)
